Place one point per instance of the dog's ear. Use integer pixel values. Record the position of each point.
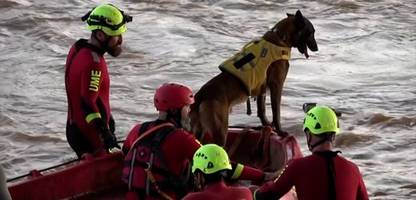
(289, 15)
(299, 19)
(298, 14)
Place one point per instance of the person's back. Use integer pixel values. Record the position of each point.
(163, 146)
(171, 157)
(322, 175)
(310, 177)
(220, 191)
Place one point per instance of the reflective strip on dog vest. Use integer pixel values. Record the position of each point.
(251, 63)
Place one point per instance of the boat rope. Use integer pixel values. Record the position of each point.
(42, 170)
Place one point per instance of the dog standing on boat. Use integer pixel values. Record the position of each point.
(261, 64)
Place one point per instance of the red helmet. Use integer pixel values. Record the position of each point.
(173, 96)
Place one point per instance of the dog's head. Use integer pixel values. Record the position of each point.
(304, 34)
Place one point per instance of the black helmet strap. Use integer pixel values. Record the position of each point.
(102, 21)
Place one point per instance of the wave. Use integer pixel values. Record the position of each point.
(348, 139)
(5, 120)
(384, 121)
(37, 138)
(13, 3)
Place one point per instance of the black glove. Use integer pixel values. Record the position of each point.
(109, 139)
(112, 124)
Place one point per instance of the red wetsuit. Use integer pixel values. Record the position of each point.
(310, 176)
(220, 191)
(87, 86)
(178, 149)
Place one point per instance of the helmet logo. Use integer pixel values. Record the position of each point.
(312, 115)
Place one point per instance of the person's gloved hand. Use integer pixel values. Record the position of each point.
(108, 138)
(112, 124)
(110, 142)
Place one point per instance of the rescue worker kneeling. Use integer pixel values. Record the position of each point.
(210, 166)
(324, 175)
(158, 153)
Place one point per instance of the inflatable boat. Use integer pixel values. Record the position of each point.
(100, 177)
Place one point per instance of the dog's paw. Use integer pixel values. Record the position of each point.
(265, 122)
(282, 133)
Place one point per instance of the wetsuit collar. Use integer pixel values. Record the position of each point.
(327, 153)
(83, 43)
(161, 121)
(218, 186)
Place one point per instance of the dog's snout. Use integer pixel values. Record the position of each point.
(312, 44)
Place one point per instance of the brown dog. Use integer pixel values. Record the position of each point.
(260, 65)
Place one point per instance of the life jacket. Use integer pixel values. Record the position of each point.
(146, 153)
(251, 63)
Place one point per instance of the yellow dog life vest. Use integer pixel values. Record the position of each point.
(251, 63)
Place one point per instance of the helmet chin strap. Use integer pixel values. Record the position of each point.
(103, 44)
(312, 146)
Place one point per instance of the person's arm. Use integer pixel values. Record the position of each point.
(243, 172)
(192, 145)
(191, 196)
(362, 190)
(90, 85)
(277, 188)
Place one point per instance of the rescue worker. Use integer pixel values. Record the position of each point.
(322, 175)
(210, 166)
(90, 125)
(158, 153)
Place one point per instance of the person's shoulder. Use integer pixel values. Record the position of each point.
(134, 133)
(348, 162)
(300, 164)
(240, 192)
(300, 161)
(88, 51)
(183, 133)
(183, 136)
(240, 189)
(135, 129)
(193, 196)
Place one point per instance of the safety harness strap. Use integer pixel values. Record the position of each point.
(134, 149)
(155, 185)
(329, 158)
(159, 136)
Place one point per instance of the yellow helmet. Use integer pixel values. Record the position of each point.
(108, 18)
(210, 158)
(321, 119)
